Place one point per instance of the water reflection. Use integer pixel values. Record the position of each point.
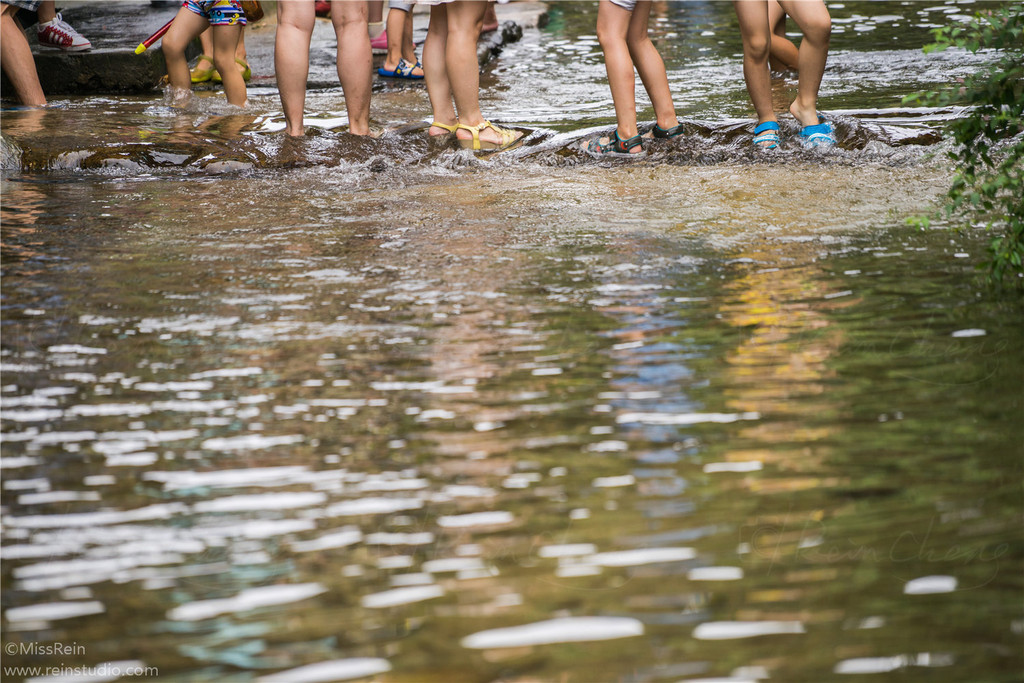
(526, 419)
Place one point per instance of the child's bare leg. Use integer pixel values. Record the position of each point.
(464, 20)
(408, 46)
(291, 60)
(396, 26)
(650, 67)
(240, 53)
(753, 20)
(816, 24)
(225, 42)
(400, 25)
(782, 52)
(206, 42)
(612, 28)
(354, 62)
(18, 63)
(436, 71)
(187, 25)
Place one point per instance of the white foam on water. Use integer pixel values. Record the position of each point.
(378, 484)
(492, 518)
(48, 497)
(249, 599)
(261, 528)
(131, 460)
(969, 333)
(563, 630)
(614, 482)
(63, 437)
(684, 418)
(76, 348)
(264, 501)
(641, 556)
(452, 564)
(402, 596)
(611, 446)
(52, 611)
(569, 571)
(102, 517)
(927, 585)
(468, 491)
(250, 442)
(870, 665)
(108, 410)
(746, 466)
(256, 476)
(729, 630)
(567, 550)
(337, 539)
(227, 372)
(715, 574)
(372, 506)
(334, 670)
(400, 538)
(35, 415)
(331, 275)
(195, 385)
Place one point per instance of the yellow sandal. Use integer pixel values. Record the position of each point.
(202, 75)
(508, 137)
(450, 129)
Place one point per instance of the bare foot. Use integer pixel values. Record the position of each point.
(806, 116)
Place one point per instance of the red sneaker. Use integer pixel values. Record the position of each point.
(379, 45)
(322, 8)
(59, 34)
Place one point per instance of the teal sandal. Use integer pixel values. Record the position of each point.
(820, 134)
(663, 133)
(615, 147)
(767, 132)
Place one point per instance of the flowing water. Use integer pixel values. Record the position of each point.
(336, 409)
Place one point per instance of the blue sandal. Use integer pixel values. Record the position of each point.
(820, 134)
(615, 147)
(767, 132)
(403, 70)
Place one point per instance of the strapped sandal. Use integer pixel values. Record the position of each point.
(819, 135)
(403, 70)
(203, 75)
(246, 72)
(615, 147)
(767, 132)
(450, 129)
(663, 133)
(508, 137)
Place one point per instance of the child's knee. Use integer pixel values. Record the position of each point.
(607, 37)
(173, 45)
(757, 47)
(223, 62)
(818, 29)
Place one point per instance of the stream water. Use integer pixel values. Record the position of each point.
(335, 408)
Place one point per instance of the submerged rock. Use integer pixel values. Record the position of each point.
(10, 154)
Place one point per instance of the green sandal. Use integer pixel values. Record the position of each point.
(615, 147)
(246, 73)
